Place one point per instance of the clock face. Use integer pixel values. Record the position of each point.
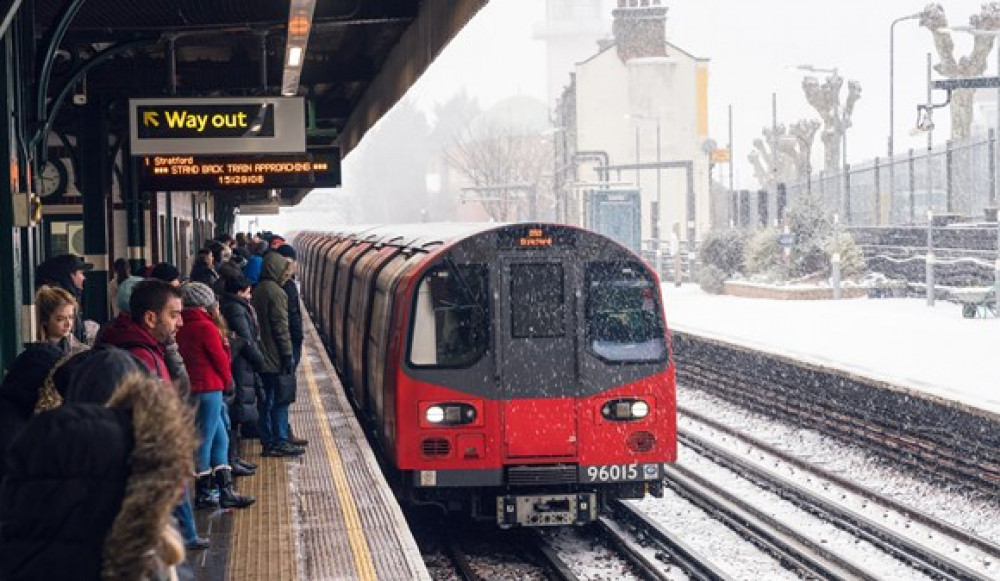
(52, 178)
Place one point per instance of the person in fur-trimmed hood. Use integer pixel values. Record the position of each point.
(90, 488)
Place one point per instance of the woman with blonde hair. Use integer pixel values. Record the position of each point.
(56, 309)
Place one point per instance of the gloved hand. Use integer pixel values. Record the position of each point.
(287, 365)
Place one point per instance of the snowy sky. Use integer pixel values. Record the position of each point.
(752, 46)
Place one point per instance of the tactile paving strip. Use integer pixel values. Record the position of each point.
(328, 514)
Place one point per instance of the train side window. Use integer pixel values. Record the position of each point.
(624, 320)
(451, 317)
(537, 305)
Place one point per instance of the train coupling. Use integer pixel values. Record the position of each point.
(546, 510)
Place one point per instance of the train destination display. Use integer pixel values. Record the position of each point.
(162, 173)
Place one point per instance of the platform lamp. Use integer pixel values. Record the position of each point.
(300, 18)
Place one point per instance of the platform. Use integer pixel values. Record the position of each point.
(328, 514)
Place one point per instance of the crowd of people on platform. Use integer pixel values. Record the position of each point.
(103, 429)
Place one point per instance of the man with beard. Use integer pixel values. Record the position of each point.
(154, 317)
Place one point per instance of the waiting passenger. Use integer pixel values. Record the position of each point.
(154, 317)
(121, 273)
(20, 389)
(255, 261)
(247, 361)
(203, 345)
(67, 272)
(291, 289)
(91, 487)
(56, 316)
(203, 270)
(271, 303)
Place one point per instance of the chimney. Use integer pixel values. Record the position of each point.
(639, 29)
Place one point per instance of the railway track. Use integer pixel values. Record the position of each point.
(920, 556)
(937, 453)
(520, 555)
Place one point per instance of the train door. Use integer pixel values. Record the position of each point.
(537, 363)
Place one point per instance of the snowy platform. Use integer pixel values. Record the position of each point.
(900, 341)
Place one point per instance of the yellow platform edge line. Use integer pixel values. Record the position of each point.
(359, 544)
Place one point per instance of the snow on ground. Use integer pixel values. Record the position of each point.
(902, 341)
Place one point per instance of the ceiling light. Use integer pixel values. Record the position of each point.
(294, 56)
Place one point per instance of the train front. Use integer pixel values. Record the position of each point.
(537, 382)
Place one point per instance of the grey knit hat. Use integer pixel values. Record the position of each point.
(198, 294)
(125, 292)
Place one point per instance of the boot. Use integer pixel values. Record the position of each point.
(228, 498)
(241, 470)
(244, 463)
(203, 491)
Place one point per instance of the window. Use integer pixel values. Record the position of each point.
(624, 322)
(537, 305)
(451, 317)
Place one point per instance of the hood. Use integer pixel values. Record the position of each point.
(275, 267)
(91, 376)
(124, 332)
(24, 379)
(104, 478)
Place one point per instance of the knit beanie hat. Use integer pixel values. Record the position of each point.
(125, 292)
(197, 294)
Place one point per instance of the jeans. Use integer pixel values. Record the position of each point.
(185, 518)
(273, 420)
(213, 450)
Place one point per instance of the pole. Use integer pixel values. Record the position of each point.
(774, 154)
(996, 196)
(731, 155)
(637, 186)
(659, 201)
(930, 140)
(929, 272)
(835, 259)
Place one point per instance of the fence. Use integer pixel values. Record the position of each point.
(956, 178)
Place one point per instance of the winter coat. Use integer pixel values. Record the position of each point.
(294, 314)
(247, 358)
(126, 334)
(90, 488)
(19, 391)
(227, 271)
(201, 272)
(205, 355)
(271, 304)
(253, 268)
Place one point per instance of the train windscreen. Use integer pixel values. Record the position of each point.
(624, 323)
(451, 318)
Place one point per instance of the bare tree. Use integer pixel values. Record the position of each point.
(934, 20)
(506, 166)
(825, 99)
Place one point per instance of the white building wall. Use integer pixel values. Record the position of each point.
(615, 100)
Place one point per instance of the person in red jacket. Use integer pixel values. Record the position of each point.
(205, 350)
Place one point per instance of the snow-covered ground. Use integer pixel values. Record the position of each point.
(901, 341)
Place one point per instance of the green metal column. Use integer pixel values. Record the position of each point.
(10, 236)
(94, 185)
(168, 232)
(135, 225)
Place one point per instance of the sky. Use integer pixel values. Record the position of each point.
(752, 47)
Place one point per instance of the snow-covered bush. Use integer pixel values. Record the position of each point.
(811, 226)
(852, 259)
(763, 254)
(712, 279)
(724, 250)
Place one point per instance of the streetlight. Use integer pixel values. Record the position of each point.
(996, 135)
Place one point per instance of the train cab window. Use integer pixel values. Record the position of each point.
(624, 321)
(451, 317)
(537, 305)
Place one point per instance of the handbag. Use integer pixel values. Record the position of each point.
(284, 393)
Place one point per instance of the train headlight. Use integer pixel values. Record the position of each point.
(623, 410)
(434, 414)
(640, 409)
(450, 414)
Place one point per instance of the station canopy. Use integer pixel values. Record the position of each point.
(361, 55)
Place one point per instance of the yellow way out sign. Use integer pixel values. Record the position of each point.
(217, 125)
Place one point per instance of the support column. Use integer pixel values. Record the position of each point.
(94, 185)
(135, 231)
(10, 236)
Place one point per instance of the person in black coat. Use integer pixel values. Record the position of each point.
(20, 389)
(90, 488)
(247, 358)
(291, 288)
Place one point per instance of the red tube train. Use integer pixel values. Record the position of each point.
(519, 372)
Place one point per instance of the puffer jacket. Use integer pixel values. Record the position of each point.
(90, 487)
(271, 304)
(19, 391)
(205, 356)
(247, 357)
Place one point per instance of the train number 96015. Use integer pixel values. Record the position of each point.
(619, 472)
